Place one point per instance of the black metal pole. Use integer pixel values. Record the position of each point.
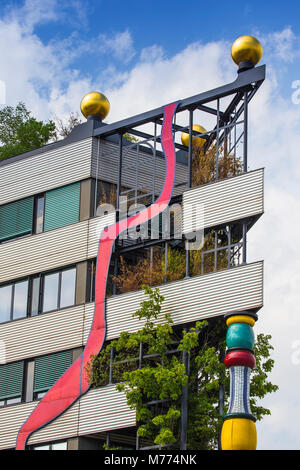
(190, 183)
(166, 262)
(245, 131)
(119, 174)
(190, 154)
(137, 441)
(217, 145)
(110, 379)
(221, 392)
(184, 403)
(244, 243)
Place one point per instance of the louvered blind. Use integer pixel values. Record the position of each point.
(16, 219)
(11, 380)
(62, 206)
(49, 368)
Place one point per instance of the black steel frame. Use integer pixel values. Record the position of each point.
(241, 92)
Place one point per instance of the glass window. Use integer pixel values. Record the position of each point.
(60, 446)
(20, 300)
(68, 282)
(54, 446)
(5, 303)
(39, 222)
(35, 296)
(13, 401)
(50, 300)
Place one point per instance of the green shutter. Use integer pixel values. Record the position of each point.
(49, 368)
(62, 206)
(16, 219)
(11, 380)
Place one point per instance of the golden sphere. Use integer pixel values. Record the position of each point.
(95, 103)
(197, 141)
(246, 48)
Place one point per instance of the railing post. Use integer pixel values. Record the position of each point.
(110, 379)
(184, 403)
(245, 131)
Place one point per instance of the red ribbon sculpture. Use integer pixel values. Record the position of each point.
(74, 383)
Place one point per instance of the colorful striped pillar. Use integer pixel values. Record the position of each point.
(239, 430)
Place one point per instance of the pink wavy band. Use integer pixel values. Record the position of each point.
(74, 382)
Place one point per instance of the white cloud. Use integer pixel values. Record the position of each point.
(43, 77)
(120, 45)
(34, 12)
(281, 44)
(152, 53)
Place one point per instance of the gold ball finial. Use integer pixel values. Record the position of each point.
(197, 141)
(246, 48)
(95, 104)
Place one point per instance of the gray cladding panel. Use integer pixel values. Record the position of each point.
(45, 171)
(105, 167)
(188, 300)
(49, 250)
(97, 411)
(43, 334)
(224, 201)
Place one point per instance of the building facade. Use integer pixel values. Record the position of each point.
(51, 218)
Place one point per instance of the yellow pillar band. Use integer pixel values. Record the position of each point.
(238, 434)
(240, 319)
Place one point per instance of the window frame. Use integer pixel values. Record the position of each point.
(42, 289)
(12, 300)
(30, 283)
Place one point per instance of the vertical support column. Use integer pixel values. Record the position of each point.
(118, 208)
(184, 402)
(119, 175)
(244, 243)
(190, 183)
(245, 132)
(239, 430)
(218, 143)
(110, 377)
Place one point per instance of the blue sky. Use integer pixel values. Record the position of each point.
(145, 54)
(172, 26)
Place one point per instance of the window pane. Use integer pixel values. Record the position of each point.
(5, 303)
(39, 223)
(59, 446)
(13, 401)
(68, 281)
(50, 292)
(46, 447)
(16, 219)
(20, 300)
(35, 296)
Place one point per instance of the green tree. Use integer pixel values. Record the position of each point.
(154, 387)
(20, 132)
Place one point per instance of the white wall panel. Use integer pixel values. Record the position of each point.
(43, 334)
(46, 170)
(100, 409)
(224, 201)
(190, 299)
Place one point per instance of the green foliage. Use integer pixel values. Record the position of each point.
(154, 387)
(20, 132)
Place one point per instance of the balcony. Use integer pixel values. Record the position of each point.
(187, 300)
